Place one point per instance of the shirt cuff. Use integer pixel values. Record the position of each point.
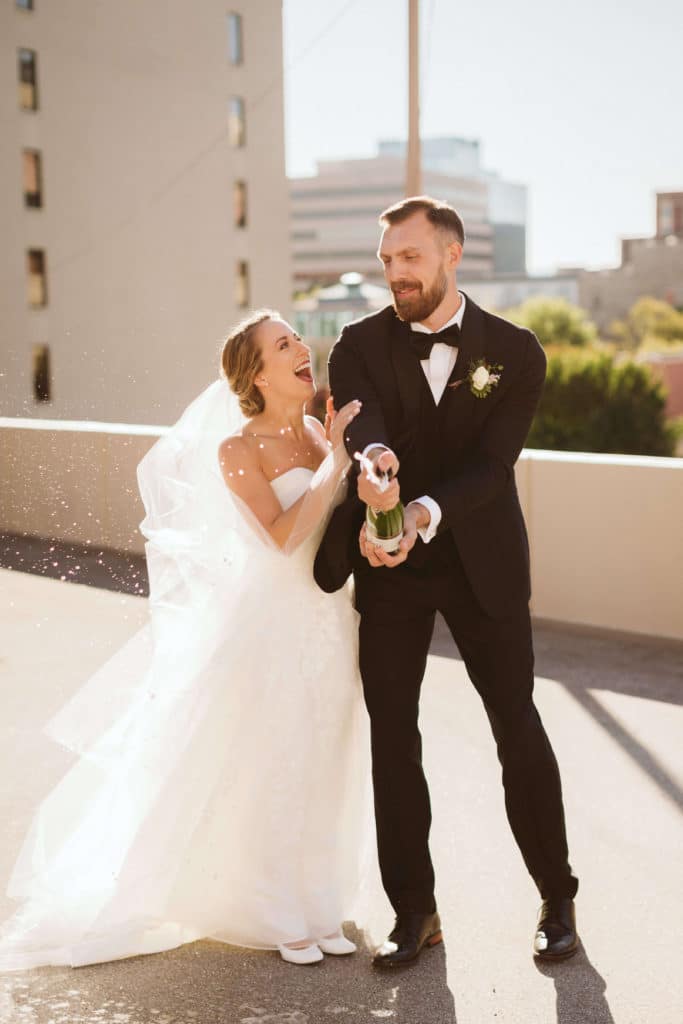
(427, 532)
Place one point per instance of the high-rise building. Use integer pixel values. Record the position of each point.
(669, 214)
(334, 213)
(506, 201)
(650, 266)
(143, 199)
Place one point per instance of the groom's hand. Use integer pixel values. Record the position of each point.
(385, 463)
(415, 517)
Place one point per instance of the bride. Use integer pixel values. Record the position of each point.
(222, 783)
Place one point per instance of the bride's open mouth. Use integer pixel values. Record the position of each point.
(303, 371)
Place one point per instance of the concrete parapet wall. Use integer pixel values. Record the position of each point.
(605, 530)
(606, 540)
(73, 481)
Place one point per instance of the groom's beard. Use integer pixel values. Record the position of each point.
(415, 308)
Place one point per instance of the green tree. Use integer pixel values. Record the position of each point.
(649, 322)
(554, 321)
(592, 404)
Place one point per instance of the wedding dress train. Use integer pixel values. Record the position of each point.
(223, 783)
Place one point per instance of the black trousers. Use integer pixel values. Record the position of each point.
(398, 608)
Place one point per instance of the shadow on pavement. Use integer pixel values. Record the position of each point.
(582, 658)
(120, 571)
(579, 990)
(586, 661)
(645, 760)
(210, 982)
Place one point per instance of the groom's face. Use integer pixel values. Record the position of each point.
(418, 265)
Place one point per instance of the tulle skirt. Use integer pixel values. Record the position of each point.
(222, 788)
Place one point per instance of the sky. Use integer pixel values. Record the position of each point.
(581, 102)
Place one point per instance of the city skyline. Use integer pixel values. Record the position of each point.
(586, 126)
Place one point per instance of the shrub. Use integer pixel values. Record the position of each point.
(592, 404)
(649, 322)
(554, 321)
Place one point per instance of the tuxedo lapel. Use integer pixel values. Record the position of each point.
(455, 406)
(420, 427)
(471, 345)
(408, 371)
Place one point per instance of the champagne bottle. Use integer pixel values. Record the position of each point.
(385, 529)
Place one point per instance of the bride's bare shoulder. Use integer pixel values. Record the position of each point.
(237, 452)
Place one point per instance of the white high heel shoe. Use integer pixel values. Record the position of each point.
(304, 955)
(337, 945)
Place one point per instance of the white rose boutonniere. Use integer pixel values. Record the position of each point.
(483, 377)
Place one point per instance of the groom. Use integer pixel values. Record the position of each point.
(448, 393)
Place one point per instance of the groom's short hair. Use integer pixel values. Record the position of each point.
(439, 213)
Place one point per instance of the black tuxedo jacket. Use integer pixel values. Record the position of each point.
(460, 452)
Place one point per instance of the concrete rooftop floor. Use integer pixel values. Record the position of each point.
(612, 706)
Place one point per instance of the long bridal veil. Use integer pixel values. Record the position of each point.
(191, 524)
(202, 541)
(134, 850)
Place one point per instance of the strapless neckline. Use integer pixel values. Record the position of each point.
(288, 487)
(294, 469)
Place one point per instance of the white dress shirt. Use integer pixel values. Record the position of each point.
(437, 369)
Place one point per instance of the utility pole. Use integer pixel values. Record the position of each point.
(413, 162)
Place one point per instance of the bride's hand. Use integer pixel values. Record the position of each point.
(337, 422)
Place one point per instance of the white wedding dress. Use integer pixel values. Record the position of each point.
(223, 787)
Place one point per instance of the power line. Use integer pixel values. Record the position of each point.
(277, 82)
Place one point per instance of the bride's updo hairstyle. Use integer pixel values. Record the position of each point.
(241, 360)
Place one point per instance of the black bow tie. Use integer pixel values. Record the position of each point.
(422, 343)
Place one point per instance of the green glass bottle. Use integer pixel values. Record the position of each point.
(385, 529)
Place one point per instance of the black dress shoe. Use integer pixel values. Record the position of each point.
(556, 937)
(410, 933)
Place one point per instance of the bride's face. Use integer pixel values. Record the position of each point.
(287, 371)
